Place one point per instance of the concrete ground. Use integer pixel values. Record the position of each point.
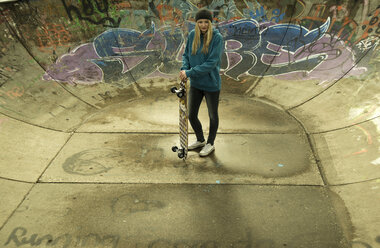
(296, 164)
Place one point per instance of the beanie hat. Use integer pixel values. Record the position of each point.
(203, 14)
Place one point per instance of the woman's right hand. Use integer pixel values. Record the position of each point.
(182, 75)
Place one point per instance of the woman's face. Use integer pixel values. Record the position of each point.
(203, 25)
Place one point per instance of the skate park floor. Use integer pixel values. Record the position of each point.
(110, 179)
(296, 163)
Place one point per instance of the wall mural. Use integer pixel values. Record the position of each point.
(254, 46)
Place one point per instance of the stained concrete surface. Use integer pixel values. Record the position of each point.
(186, 215)
(53, 101)
(262, 158)
(347, 109)
(87, 162)
(12, 193)
(157, 111)
(27, 150)
(361, 199)
(353, 156)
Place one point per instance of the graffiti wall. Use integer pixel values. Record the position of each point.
(119, 42)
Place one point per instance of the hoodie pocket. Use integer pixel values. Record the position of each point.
(213, 83)
(213, 79)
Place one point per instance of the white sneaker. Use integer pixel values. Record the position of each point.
(196, 145)
(206, 150)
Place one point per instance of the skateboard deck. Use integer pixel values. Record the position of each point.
(183, 119)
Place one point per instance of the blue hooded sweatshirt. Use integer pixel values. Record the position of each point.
(203, 69)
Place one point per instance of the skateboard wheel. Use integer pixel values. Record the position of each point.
(180, 94)
(174, 148)
(181, 154)
(173, 89)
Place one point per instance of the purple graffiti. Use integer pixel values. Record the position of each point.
(340, 61)
(76, 67)
(285, 51)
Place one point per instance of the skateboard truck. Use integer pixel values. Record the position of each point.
(180, 151)
(180, 92)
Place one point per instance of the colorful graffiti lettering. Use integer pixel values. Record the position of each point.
(344, 30)
(274, 49)
(123, 5)
(52, 36)
(261, 13)
(317, 11)
(339, 12)
(257, 46)
(224, 11)
(262, 16)
(342, 25)
(167, 12)
(368, 43)
(371, 26)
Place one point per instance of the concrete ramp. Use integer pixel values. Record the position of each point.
(87, 122)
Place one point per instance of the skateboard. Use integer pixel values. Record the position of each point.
(183, 119)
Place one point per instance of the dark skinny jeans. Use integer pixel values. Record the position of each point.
(212, 100)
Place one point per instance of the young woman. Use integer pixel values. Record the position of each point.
(201, 63)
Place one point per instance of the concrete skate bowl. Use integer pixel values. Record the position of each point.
(85, 107)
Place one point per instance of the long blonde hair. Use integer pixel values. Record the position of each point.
(206, 39)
